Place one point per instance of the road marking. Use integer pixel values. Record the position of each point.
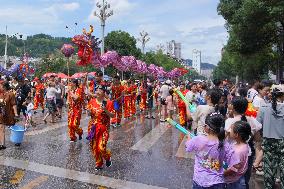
(101, 187)
(74, 175)
(18, 176)
(46, 129)
(36, 182)
(181, 150)
(145, 143)
(49, 128)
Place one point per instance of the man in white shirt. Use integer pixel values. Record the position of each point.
(252, 92)
(193, 95)
(164, 92)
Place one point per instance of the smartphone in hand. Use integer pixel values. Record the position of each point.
(104, 103)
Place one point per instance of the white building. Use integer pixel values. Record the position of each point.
(196, 60)
(208, 73)
(174, 49)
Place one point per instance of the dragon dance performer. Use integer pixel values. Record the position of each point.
(39, 94)
(117, 94)
(127, 100)
(143, 91)
(92, 86)
(182, 106)
(133, 98)
(75, 100)
(101, 110)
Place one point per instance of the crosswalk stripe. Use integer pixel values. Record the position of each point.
(36, 182)
(74, 175)
(181, 150)
(49, 128)
(150, 138)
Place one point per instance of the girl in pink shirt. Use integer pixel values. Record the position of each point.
(171, 103)
(234, 176)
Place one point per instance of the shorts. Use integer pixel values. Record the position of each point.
(215, 186)
(150, 104)
(59, 103)
(51, 106)
(163, 101)
(171, 112)
(240, 184)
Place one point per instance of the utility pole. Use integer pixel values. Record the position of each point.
(103, 15)
(144, 38)
(6, 46)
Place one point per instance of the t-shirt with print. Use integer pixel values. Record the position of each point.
(252, 93)
(208, 166)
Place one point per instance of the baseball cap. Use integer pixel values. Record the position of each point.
(277, 88)
(168, 82)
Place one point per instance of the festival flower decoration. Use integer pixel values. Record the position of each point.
(144, 68)
(152, 69)
(13, 69)
(110, 57)
(113, 58)
(126, 62)
(67, 50)
(161, 72)
(138, 67)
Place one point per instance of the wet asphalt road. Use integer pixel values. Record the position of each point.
(145, 154)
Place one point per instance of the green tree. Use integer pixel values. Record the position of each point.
(254, 26)
(123, 43)
(38, 45)
(160, 59)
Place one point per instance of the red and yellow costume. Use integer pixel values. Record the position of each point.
(117, 91)
(127, 100)
(133, 99)
(143, 103)
(92, 86)
(74, 114)
(39, 96)
(99, 134)
(182, 109)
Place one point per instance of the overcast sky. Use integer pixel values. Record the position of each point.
(194, 23)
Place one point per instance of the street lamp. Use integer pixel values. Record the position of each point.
(103, 15)
(144, 38)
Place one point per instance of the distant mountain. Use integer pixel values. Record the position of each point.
(207, 66)
(204, 66)
(36, 46)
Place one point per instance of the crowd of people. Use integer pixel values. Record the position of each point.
(229, 143)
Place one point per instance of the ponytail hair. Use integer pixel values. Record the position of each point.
(216, 123)
(243, 129)
(221, 137)
(215, 96)
(244, 118)
(275, 95)
(240, 105)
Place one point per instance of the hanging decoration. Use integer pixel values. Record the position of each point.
(67, 50)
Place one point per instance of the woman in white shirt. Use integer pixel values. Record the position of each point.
(213, 97)
(50, 98)
(258, 101)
